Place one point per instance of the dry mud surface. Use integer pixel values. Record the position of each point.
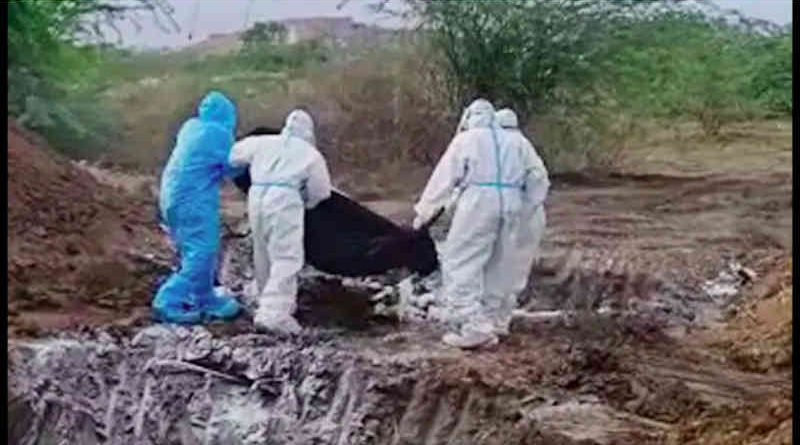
(659, 313)
(80, 251)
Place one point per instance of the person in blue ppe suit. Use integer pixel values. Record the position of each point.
(189, 204)
(490, 172)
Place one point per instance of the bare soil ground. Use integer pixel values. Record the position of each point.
(653, 237)
(80, 252)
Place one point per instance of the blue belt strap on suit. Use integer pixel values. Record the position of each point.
(500, 185)
(274, 184)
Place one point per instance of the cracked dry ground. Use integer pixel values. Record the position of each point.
(666, 361)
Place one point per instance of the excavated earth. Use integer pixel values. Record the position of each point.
(658, 313)
(82, 249)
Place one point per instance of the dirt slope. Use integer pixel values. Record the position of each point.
(757, 340)
(74, 244)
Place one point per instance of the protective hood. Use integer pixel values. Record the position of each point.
(480, 114)
(300, 125)
(462, 122)
(506, 118)
(217, 108)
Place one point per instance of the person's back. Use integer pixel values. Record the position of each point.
(199, 159)
(533, 216)
(497, 176)
(191, 165)
(288, 174)
(283, 160)
(486, 171)
(189, 207)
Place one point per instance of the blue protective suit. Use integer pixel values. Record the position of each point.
(189, 203)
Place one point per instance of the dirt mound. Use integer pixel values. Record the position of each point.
(758, 338)
(760, 422)
(79, 251)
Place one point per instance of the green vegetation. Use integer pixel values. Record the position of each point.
(261, 33)
(54, 70)
(685, 66)
(584, 75)
(580, 71)
(520, 53)
(154, 92)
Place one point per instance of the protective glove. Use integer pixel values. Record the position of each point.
(419, 221)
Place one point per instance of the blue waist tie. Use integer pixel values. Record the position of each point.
(499, 185)
(274, 184)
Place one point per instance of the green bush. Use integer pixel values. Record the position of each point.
(651, 59)
(771, 72)
(264, 33)
(267, 56)
(684, 65)
(55, 76)
(518, 52)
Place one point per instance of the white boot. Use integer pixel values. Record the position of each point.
(472, 336)
(499, 311)
(280, 322)
(441, 314)
(502, 326)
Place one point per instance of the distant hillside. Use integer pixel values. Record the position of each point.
(338, 31)
(216, 44)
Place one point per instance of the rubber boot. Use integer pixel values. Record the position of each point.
(279, 322)
(219, 306)
(472, 335)
(469, 339)
(173, 304)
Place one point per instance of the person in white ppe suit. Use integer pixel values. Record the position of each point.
(491, 175)
(532, 217)
(441, 226)
(288, 175)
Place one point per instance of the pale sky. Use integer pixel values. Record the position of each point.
(204, 17)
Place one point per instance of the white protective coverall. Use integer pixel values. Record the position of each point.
(481, 250)
(533, 214)
(439, 229)
(288, 174)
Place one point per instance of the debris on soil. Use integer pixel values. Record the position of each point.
(80, 252)
(761, 422)
(758, 338)
(188, 385)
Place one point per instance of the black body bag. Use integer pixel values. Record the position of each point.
(343, 237)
